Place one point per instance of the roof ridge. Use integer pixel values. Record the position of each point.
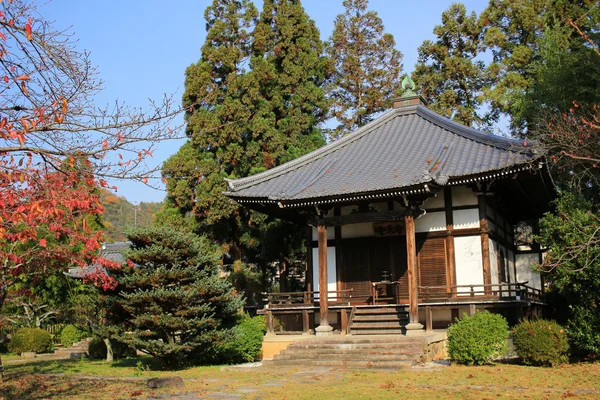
(468, 132)
(236, 184)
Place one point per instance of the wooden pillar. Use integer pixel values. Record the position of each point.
(485, 244)
(413, 278)
(323, 329)
(450, 257)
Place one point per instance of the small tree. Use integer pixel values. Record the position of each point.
(174, 302)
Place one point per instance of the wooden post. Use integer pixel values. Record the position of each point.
(344, 318)
(270, 330)
(485, 244)
(413, 279)
(305, 323)
(323, 329)
(450, 257)
(472, 309)
(428, 318)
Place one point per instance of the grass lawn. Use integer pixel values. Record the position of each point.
(491, 382)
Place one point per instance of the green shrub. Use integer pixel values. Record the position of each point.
(71, 334)
(583, 331)
(478, 339)
(30, 339)
(97, 349)
(245, 345)
(541, 342)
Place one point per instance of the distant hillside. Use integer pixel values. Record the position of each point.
(120, 213)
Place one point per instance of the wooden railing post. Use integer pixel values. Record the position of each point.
(428, 318)
(305, 323)
(344, 318)
(270, 330)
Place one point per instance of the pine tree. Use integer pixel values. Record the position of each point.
(367, 66)
(448, 74)
(174, 303)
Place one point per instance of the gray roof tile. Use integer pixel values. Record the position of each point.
(404, 148)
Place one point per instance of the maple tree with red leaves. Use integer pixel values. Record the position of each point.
(57, 147)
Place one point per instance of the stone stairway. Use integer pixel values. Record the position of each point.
(353, 352)
(379, 320)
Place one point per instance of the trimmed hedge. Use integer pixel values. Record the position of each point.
(479, 339)
(30, 339)
(71, 334)
(541, 342)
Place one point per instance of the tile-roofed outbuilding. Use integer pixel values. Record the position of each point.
(402, 152)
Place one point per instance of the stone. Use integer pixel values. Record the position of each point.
(28, 354)
(172, 381)
(414, 329)
(323, 330)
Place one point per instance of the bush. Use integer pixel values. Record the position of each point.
(71, 334)
(97, 349)
(30, 339)
(245, 344)
(541, 342)
(583, 331)
(478, 339)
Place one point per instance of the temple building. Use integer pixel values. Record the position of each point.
(413, 222)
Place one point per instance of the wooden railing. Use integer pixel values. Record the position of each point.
(298, 299)
(494, 291)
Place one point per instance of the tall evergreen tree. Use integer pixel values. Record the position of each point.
(174, 303)
(289, 72)
(265, 106)
(220, 99)
(367, 66)
(448, 73)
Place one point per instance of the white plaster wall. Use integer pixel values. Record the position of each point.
(331, 270)
(429, 222)
(468, 261)
(330, 233)
(464, 219)
(494, 250)
(364, 229)
(434, 202)
(463, 196)
(525, 271)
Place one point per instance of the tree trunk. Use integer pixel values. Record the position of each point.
(109, 351)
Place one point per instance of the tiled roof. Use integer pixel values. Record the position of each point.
(110, 251)
(404, 148)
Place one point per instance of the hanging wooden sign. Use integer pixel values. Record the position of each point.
(389, 228)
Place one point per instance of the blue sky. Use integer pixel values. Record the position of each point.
(142, 48)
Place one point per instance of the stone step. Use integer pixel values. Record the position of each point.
(357, 344)
(414, 355)
(381, 310)
(379, 317)
(376, 324)
(345, 363)
(361, 340)
(377, 331)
